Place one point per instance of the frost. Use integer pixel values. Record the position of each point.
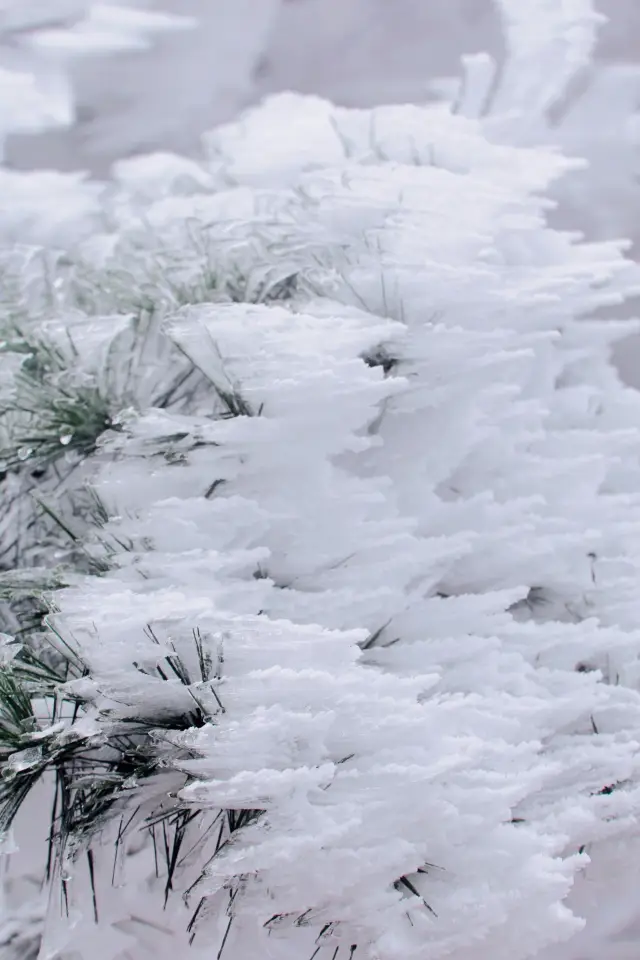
(321, 513)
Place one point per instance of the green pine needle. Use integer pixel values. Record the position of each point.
(17, 720)
(61, 421)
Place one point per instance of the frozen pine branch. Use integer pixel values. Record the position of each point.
(324, 501)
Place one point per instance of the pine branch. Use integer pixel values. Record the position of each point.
(96, 772)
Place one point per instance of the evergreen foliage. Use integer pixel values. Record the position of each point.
(319, 529)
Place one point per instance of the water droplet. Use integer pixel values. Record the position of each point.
(66, 439)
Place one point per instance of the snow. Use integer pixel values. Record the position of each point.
(406, 537)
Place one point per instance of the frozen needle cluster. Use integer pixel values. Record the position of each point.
(316, 466)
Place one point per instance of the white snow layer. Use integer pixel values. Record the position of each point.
(443, 209)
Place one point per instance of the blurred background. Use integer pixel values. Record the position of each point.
(355, 52)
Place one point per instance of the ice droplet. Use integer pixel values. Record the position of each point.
(24, 453)
(66, 439)
(8, 843)
(20, 761)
